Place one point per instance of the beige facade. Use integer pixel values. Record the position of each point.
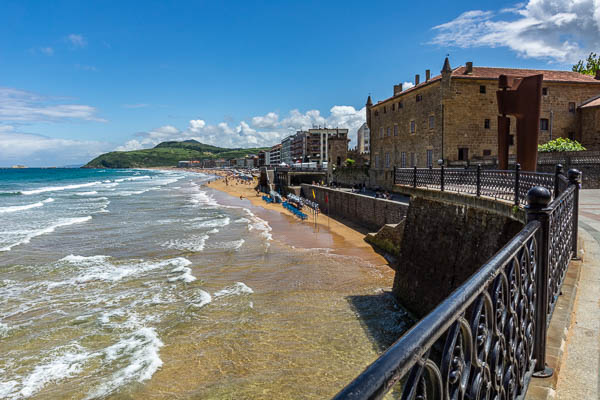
(453, 117)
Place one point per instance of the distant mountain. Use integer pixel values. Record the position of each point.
(167, 154)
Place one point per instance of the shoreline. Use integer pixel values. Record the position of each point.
(327, 233)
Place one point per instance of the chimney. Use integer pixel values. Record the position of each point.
(597, 74)
(469, 67)
(397, 89)
(427, 75)
(417, 79)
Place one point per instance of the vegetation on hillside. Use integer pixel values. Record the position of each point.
(589, 66)
(166, 154)
(560, 144)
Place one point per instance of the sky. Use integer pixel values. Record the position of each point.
(80, 78)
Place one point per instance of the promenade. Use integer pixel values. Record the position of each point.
(580, 371)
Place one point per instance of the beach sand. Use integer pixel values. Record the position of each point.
(328, 233)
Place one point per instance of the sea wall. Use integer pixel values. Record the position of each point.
(364, 210)
(443, 244)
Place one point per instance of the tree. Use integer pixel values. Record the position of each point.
(350, 162)
(592, 64)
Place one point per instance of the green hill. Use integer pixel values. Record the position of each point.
(166, 154)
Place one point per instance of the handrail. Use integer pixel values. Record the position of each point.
(488, 337)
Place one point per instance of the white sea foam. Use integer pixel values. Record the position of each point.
(106, 184)
(99, 268)
(12, 209)
(260, 225)
(141, 353)
(214, 223)
(93, 192)
(193, 243)
(59, 188)
(237, 289)
(234, 245)
(28, 235)
(133, 178)
(201, 299)
(4, 329)
(242, 221)
(203, 199)
(66, 363)
(186, 275)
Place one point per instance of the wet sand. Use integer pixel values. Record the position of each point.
(325, 232)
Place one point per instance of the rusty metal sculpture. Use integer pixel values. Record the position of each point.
(521, 98)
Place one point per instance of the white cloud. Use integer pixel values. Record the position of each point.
(47, 50)
(563, 31)
(77, 40)
(19, 105)
(83, 67)
(262, 131)
(37, 150)
(407, 85)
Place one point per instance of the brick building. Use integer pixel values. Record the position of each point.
(453, 117)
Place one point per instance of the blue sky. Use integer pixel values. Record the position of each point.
(80, 78)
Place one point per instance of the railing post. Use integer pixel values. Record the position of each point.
(575, 179)
(517, 176)
(478, 180)
(558, 170)
(538, 199)
(442, 178)
(415, 177)
(395, 175)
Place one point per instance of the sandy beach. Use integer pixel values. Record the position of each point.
(328, 233)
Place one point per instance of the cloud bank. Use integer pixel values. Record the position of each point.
(261, 131)
(562, 31)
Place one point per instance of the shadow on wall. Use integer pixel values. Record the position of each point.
(382, 318)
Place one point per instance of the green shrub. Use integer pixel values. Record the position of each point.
(560, 144)
(350, 162)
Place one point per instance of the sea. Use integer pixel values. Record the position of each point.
(148, 284)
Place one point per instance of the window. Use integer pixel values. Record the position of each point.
(482, 89)
(544, 91)
(486, 124)
(572, 135)
(393, 106)
(544, 124)
(395, 129)
(413, 160)
(377, 113)
(487, 152)
(431, 122)
(430, 158)
(400, 105)
(388, 131)
(376, 160)
(571, 107)
(387, 160)
(511, 140)
(381, 132)
(384, 111)
(419, 98)
(413, 126)
(463, 153)
(403, 159)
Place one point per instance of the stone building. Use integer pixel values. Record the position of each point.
(589, 123)
(337, 148)
(453, 117)
(362, 139)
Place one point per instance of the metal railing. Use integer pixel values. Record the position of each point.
(510, 185)
(488, 338)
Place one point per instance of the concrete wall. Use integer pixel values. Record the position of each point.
(443, 244)
(366, 211)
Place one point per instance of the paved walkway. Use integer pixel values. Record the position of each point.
(579, 376)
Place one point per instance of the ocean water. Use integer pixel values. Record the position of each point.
(149, 284)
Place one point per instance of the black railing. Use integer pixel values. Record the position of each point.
(488, 338)
(510, 185)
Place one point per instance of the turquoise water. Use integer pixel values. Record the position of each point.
(149, 284)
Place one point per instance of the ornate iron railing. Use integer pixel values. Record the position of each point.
(488, 338)
(510, 185)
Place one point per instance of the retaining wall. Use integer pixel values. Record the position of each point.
(366, 211)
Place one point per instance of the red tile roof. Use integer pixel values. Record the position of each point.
(494, 73)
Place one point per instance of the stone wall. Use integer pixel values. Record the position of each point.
(364, 210)
(350, 176)
(443, 244)
(589, 129)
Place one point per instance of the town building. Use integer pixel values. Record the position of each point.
(275, 155)
(362, 139)
(286, 150)
(452, 117)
